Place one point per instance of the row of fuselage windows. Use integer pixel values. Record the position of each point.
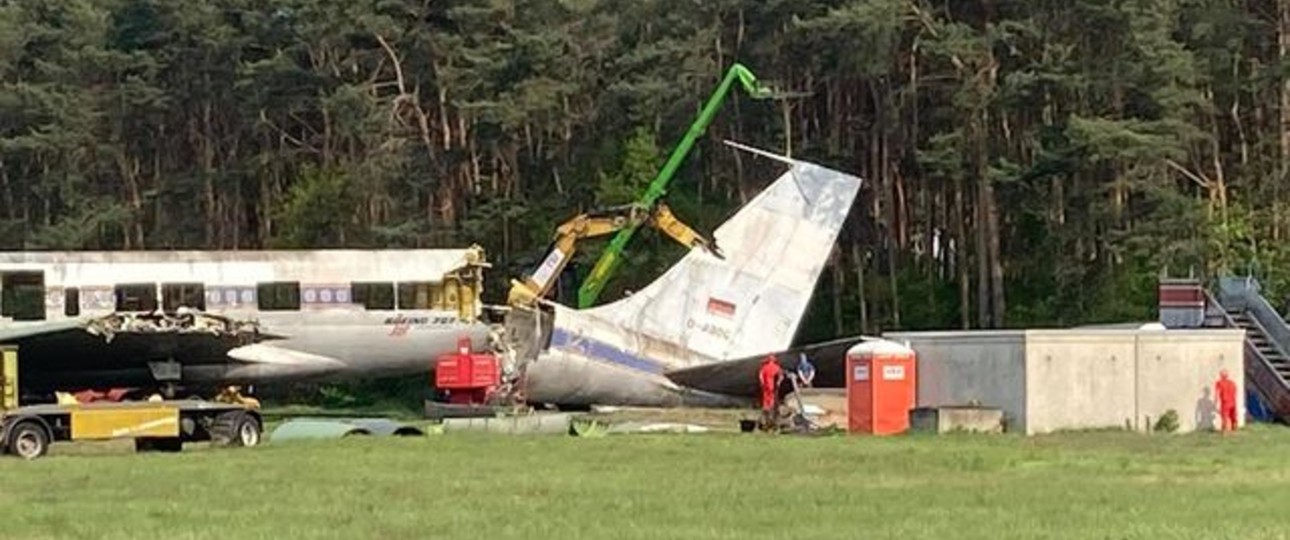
(27, 301)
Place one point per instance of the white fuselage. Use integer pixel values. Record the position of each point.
(327, 314)
(375, 343)
(589, 361)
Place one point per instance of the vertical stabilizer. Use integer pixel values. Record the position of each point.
(752, 301)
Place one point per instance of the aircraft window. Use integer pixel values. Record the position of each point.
(373, 296)
(71, 302)
(417, 295)
(190, 295)
(22, 295)
(136, 297)
(278, 296)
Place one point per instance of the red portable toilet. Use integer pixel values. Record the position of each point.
(882, 387)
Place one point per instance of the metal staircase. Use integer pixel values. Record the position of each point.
(1267, 341)
(1263, 346)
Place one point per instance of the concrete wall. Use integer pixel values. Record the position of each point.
(1177, 370)
(957, 368)
(1049, 380)
(1079, 379)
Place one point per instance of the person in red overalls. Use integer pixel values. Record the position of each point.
(770, 377)
(1225, 390)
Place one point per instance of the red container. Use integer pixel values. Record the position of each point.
(882, 387)
(466, 371)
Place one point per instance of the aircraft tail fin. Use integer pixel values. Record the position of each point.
(752, 301)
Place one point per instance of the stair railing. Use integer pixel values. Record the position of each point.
(1267, 382)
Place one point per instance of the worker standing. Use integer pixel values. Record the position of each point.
(805, 371)
(1225, 390)
(770, 378)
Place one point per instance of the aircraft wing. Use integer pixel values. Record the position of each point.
(262, 361)
(14, 335)
(739, 377)
(116, 351)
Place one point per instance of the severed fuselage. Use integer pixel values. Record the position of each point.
(97, 320)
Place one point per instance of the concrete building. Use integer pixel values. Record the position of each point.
(1051, 380)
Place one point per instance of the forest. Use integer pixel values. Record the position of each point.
(1037, 162)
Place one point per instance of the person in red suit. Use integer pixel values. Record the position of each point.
(770, 376)
(1225, 390)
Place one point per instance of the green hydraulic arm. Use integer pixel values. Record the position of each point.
(612, 257)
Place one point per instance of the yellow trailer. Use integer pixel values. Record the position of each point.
(8, 377)
(27, 431)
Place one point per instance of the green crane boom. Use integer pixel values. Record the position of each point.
(613, 255)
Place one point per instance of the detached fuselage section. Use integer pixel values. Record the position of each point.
(90, 320)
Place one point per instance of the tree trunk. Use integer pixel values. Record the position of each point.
(857, 256)
(1283, 49)
(133, 231)
(960, 255)
(839, 288)
(6, 189)
(982, 261)
(888, 198)
(200, 137)
(996, 262)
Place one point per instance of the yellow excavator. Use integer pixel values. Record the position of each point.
(600, 223)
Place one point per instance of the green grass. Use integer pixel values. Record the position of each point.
(1081, 485)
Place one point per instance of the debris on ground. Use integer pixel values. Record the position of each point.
(657, 427)
(335, 428)
(528, 424)
(591, 428)
(183, 321)
(806, 411)
(825, 407)
(716, 419)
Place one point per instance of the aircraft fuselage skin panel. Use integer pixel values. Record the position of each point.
(570, 378)
(318, 347)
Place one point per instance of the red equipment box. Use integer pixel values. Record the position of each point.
(468, 377)
(463, 373)
(881, 387)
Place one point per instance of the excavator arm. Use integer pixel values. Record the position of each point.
(737, 75)
(663, 220)
(594, 224)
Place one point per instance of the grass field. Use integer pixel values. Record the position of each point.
(1086, 485)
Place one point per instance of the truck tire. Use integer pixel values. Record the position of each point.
(28, 440)
(235, 429)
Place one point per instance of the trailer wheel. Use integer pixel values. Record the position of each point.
(236, 428)
(28, 440)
